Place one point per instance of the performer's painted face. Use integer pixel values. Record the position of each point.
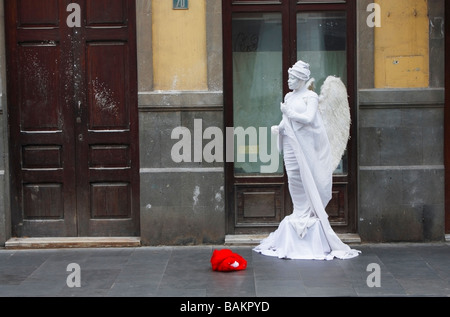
(294, 82)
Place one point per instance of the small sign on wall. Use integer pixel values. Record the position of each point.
(181, 4)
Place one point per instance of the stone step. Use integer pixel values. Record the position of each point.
(76, 242)
(255, 239)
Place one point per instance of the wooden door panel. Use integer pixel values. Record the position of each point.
(39, 80)
(338, 209)
(110, 200)
(109, 156)
(258, 206)
(107, 103)
(43, 201)
(42, 157)
(34, 13)
(106, 12)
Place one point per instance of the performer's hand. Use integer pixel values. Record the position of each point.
(276, 130)
(303, 118)
(284, 108)
(288, 111)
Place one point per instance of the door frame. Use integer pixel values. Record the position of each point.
(447, 118)
(289, 10)
(13, 127)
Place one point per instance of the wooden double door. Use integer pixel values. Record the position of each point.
(73, 121)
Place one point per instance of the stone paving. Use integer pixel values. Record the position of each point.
(405, 270)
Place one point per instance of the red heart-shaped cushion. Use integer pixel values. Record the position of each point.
(227, 261)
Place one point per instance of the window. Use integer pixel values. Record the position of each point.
(257, 85)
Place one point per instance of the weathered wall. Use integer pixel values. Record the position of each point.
(400, 137)
(401, 171)
(402, 44)
(179, 46)
(181, 203)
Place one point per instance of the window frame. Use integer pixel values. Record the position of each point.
(289, 8)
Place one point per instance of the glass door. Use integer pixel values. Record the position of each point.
(322, 42)
(257, 89)
(323, 39)
(256, 183)
(262, 39)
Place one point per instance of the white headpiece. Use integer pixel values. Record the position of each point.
(301, 71)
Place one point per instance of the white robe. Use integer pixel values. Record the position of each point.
(307, 233)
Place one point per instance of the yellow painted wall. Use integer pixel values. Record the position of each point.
(179, 46)
(402, 44)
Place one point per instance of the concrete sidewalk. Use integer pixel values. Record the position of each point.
(405, 270)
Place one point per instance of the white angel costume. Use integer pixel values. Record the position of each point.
(312, 136)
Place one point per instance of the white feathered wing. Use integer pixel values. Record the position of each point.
(335, 111)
